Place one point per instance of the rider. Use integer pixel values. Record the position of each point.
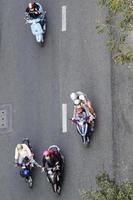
(84, 101)
(21, 152)
(50, 158)
(33, 10)
(80, 110)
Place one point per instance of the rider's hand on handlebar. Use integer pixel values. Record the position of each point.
(88, 120)
(94, 114)
(43, 169)
(26, 21)
(16, 165)
(72, 120)
(32, 154)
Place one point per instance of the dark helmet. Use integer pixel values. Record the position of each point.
(25, 160)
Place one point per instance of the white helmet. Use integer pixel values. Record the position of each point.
(82, 97)
(77, 102)
(73, 96)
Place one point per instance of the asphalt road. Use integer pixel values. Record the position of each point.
(36, 81)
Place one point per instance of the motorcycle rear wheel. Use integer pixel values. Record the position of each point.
(55, 187)
(30, 182)
(41, 44)
(58, 190)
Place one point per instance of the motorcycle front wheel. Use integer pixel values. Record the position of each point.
(57, 189)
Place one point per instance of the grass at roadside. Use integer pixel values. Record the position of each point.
(108, 189)
(118, 25)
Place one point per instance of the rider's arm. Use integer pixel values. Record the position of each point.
(74, 113)
(58, 157)
(27, 10)
(86, 109)
(90, 108)
(89, 114)
(35, 163)
(43, 162)
(88, 103)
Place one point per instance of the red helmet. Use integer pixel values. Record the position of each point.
(48, 152)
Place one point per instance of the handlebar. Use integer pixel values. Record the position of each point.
(81, 119)
(57, 167)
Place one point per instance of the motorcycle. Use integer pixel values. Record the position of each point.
(26, 166)
(38, 25)
(84, 128)
(26, 172)
(54, 175)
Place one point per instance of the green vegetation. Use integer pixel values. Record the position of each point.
(109, 189)
(118, 24)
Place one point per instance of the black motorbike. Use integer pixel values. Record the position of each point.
(54, 175)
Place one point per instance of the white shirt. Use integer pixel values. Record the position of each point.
(23, 152)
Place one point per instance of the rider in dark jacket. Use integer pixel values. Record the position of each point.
(50, 158)
(33, 10)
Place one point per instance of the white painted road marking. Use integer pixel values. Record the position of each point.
(64, 118)
(63, 18)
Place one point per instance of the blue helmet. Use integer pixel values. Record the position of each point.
(24, 172)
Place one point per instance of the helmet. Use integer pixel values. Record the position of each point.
(82, 97)
(31, 5)
(19, 146)
(77, 102)
(73, 96)
(46, 153)
(24, 172)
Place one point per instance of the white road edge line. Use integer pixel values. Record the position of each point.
(64, 18)
(64, 118)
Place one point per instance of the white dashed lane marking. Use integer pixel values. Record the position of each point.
(64, 118)
(64, 18)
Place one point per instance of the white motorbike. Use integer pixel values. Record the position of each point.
(38, 25)
(84, 128)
